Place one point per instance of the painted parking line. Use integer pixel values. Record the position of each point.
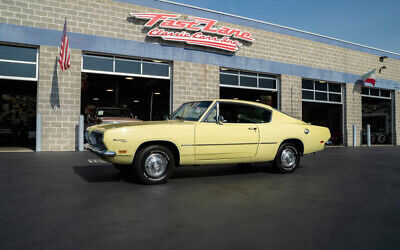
(96, 161)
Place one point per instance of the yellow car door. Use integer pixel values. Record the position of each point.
(232, 138)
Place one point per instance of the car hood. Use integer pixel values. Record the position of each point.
(140, 123)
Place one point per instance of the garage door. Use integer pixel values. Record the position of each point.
(114, 65)
(249, 86)
(138, 88)
(18, 63)
(377, 111)
(18, 91)
(323, 105)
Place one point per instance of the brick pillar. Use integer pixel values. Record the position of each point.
(58, 100)
(353, 113)
(291, 96)
(194, 81)
(397, 116)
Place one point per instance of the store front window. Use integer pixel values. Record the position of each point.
(323, 106)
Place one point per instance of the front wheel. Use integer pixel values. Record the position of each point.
(287, 159)
(154, 164)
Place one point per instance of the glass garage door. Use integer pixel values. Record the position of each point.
(249, 86)
(18, 91)
(137, 87)
(323, 105)
(18, 63)
(377, 111)
(114, 65)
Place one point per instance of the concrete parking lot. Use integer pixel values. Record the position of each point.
(342, 198)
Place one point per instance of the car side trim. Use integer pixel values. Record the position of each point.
(224, 144)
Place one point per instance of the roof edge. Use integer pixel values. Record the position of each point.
(277, 25)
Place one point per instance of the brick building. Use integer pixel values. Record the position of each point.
(117, 62)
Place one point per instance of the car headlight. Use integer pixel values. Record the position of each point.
(87, 135)
(92, 139)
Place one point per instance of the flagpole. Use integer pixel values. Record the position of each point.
(64, 52)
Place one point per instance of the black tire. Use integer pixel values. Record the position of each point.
(382, 138)
(139, 164)
(277, 163)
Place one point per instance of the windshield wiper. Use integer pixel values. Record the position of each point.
(179, 118)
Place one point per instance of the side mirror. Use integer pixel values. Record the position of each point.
(220, 120)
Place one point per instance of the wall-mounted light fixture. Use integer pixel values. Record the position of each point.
(382, 58)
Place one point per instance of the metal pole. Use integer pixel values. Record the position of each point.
(369, 135)
(354, 135)
(81, 128)
(38, 132)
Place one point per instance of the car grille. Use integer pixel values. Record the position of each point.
(87, 136)
(96, 139)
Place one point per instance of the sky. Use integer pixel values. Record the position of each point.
(374, 23)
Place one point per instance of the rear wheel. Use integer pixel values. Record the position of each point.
(154, 164)
(287, 159)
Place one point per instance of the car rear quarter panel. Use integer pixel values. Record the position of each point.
(315, 140)
(272, 135)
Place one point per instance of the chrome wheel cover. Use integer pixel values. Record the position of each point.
(288, 158)
(155, 165)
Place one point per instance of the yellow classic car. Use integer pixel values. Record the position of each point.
(207, 132)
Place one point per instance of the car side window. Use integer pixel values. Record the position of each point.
(243, 113)
(212, 116)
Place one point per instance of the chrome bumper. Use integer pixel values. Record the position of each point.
(101, 153)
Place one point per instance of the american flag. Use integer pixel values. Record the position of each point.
(65, 53)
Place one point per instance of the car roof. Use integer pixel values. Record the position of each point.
(236, 101)
(277, 114)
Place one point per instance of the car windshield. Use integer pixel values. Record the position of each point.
(114, 113)
(191, 111)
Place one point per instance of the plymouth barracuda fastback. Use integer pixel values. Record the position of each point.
(207, 132)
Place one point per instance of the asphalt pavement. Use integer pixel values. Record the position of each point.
(342, 198)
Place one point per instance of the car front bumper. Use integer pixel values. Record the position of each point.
(100, 152)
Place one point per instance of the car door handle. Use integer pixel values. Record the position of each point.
(252, 128)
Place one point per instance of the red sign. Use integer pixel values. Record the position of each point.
(220, 38)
